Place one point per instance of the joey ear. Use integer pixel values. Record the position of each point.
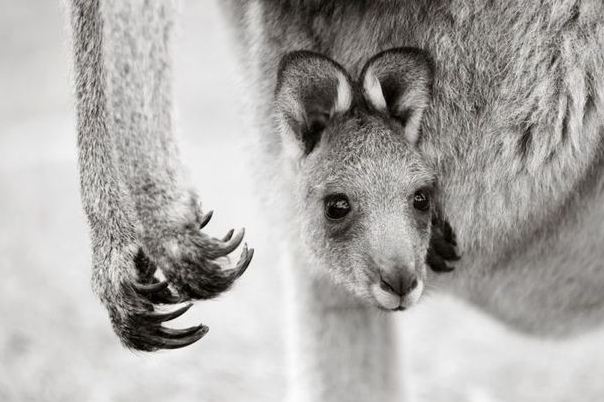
(311, 89)
(399, 82)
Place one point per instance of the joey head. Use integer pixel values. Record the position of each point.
(366, 197)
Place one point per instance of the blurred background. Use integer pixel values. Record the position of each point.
(56, 343)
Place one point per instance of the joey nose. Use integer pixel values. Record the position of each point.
(399, 282)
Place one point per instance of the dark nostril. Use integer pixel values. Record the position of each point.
(400, 284)
(387, 287)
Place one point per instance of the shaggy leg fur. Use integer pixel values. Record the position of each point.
(143, 214)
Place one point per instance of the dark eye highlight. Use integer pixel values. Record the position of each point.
(337, 207)
(421, 200)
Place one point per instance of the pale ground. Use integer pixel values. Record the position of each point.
(55, 340)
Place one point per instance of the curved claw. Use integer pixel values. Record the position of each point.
(147, 289)
(205, 219)
(170, 343)
(216, 279)
(239, 269)
(233, 243)
(228, 236)
(196, 275)
(244, 261)
(161, 317)
(181, 333)
(225, 248)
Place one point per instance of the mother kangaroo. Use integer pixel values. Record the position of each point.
(513, 130)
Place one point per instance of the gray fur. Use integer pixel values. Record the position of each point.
(143, 214)
(514, 132)
(362, 153)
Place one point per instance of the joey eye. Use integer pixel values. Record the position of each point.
(421, 200)
(337, 207)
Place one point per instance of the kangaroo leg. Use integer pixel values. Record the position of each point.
(143, 213)
(339, 349)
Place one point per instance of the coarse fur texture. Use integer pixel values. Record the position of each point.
(513, 131)
(143, 214)
(357, 159)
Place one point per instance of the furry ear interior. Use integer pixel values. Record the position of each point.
(311, 89)
(399, 82)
